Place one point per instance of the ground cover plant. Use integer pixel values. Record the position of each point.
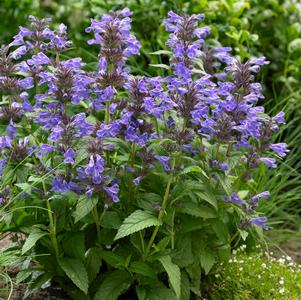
(130, 185)
(262, 276)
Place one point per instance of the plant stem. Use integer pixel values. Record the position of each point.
(97, 222)
(107, 115)
(52, 229)
(162, 210)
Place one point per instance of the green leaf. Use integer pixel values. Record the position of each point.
(74, 244)
(83, 207)
(159, 52)
(137, 221)
(22, 275)
(114, 285)
(31, 240)
(194, 169)
(75, 270)
(156, 293)
(112, 259)
(111, 220)
(185, 287)
(207, 259)
(162, 66)
(93, 263)
(244, 234)
(173, 272)
(199, 211)
(142, 268)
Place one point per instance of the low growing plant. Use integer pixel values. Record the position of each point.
(261, 276)
(128, 185)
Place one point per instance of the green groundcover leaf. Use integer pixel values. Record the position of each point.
(173, 272)
(75, 270)
(114, 285)
(137, 221)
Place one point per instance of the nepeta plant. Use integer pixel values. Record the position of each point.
(116, 179)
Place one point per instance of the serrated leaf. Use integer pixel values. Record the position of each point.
(113, 286)
(173, 272)
(84, 206)
(142, 268)
(75, 270)
(31, 240)
(137, 221)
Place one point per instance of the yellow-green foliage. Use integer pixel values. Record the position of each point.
(258, 276)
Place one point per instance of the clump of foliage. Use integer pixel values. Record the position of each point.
(129, 184)
(257, 276)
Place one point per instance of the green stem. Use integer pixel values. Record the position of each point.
(97, 220)
(107, 115)
(162, 210)
(52, 229)
(52, 226)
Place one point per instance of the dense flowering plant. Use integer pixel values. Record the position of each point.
(118, 180)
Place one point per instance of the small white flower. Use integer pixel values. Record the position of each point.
(259, 276)
(264, 266)
(281, 291)
(240, 269)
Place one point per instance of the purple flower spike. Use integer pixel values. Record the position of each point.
(260, 221)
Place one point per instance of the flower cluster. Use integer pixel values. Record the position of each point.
(205, 108)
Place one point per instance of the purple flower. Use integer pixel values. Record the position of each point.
(60, 185)
(44, 148)
(11, 129)
(95, 168)
(2, 165)
(280, 149)
(69, 156)
(234, 199)
(137, 180)
(164, 160)
(260, 221)
(39, 59)
(113, 192)
(255, 199)
(279, 118)
(270, 162)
